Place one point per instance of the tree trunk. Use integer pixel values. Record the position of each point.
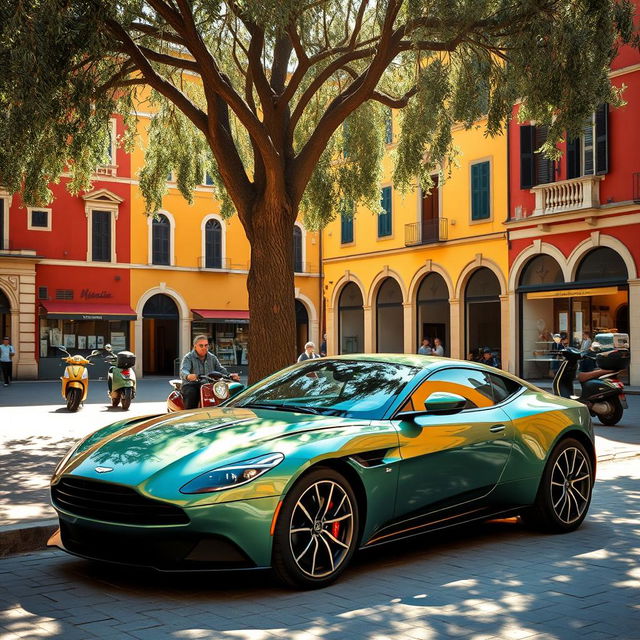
(271, 290)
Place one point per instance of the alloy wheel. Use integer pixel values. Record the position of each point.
(570, 485)
(321, 529)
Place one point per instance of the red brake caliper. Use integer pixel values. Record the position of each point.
(335, 526)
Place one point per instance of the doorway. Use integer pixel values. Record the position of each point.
(160, 318)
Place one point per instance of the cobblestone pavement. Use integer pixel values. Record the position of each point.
(494, 581)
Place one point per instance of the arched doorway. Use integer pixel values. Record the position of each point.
(160, 318)
(432, 310)
(482, 307)
(5, 316)
(622, 318)
(350, 320)
(541, 316)
(302, 327)
(389, 318)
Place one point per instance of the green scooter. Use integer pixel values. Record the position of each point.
(121, 377)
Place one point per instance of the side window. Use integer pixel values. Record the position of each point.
(503, 388)
(471, 384)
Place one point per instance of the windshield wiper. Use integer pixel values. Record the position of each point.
(282, 407)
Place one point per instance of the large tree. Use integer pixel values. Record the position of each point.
(284, 102)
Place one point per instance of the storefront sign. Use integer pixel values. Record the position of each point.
(88, 294)
(572, 293)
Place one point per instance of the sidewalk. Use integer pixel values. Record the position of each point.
(34, 438)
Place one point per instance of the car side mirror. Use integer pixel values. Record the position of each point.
(444, 402)
(235, 388)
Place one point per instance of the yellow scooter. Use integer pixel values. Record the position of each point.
(75, 380)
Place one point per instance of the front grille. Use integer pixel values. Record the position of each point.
(112, 503)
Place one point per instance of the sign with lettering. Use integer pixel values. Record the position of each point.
(572, 293)
(88, 294)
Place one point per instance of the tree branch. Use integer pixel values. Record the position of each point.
(394, 103)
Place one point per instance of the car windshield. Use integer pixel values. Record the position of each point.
(356, 389)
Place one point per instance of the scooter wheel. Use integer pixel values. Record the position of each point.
(126, 396)
(614, 416)
(115, 401)
(74, 397)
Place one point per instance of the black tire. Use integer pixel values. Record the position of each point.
(615, 415)
(313, 543)
(115, 401)
(74, 397)
(126, 396)
(565, 490)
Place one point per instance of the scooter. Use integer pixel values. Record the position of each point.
(121, 378)
(215, 390)
(601, 390)
(75, 380)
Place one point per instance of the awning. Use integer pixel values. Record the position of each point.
(81, 311)
(221, 315)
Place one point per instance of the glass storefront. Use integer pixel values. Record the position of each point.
(227, 339)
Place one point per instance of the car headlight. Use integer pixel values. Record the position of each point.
(221, 390)
(232, 475)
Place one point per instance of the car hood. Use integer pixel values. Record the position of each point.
(188, 442)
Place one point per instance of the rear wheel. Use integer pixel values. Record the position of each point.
(317, 530)
(126, 396)
(115, 401)
(614, 415)
(565, 490)
(74, 397)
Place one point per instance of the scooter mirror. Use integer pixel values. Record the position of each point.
(95, 352)
(107, 347)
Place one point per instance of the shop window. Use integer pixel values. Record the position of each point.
(43, 293)
(64, 294)
(480, 190)
(39, 219)
(588, 154)
(346, 224)
(602, 264)
(389, 317)
(385, 216)
(161, 240)
(535, 167)
(298, 265)
(101, 236)
(213, 244)
(351, 319)
(542, 269)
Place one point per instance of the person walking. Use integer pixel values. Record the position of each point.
(309, 352)
(7, 352)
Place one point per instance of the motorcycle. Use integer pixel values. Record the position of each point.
(215, 390)
(601, 390)
(75, 380)
(121, 378)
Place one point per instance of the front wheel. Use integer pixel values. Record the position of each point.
(74, 397)
(126, 396)
(614, 415)
(565, 490)
(317, 530)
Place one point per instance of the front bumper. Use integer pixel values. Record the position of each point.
(232, 535)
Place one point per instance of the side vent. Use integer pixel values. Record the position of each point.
(370, 458)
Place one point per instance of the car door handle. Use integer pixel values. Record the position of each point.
(496, 428)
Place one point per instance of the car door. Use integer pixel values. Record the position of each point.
(455, 458)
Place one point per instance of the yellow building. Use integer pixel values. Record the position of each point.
(427, 267)
(188, 276)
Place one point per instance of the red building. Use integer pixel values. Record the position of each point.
(64, 269)
(574, 231)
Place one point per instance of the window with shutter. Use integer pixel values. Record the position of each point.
(101, 236)
(527, 167)
(588, 154)
(213, 244)
(346, 225)
(161, 240)
(573, 158)
(385, 216)
(544, 166)
(602, 139)
(480, 191)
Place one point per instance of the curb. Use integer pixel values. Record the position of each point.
(33, 536)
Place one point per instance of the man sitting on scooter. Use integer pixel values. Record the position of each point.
(199, 361)
(588, 369)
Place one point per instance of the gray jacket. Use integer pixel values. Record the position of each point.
(191, 363)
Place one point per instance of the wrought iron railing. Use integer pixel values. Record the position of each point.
(426, 232)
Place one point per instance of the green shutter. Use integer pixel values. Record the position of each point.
(385, 215)
(480, 192)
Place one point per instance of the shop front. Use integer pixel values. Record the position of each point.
(80, 328)
(597, 301)
(228, 333)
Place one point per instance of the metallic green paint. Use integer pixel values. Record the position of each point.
(489, 458)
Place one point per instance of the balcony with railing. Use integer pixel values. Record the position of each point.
(426, 232)
(567, 195)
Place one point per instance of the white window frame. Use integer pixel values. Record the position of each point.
(223, 240)
(172, 243)
(7, 198)
(30, 211)
(101, 200)
(112, 168)
(303, 242)
(204, 179)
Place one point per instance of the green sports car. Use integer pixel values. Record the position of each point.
(320, 459)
